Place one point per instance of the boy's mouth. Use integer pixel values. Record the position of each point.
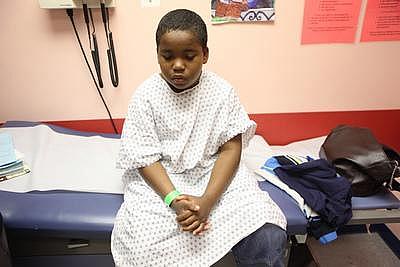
(178, 79)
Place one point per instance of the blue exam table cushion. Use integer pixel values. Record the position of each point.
(92, 214)
(89, 215)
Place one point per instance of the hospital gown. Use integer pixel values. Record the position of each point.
(184, 131)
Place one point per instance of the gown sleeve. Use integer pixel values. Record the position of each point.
(238, 122)
(140, 145)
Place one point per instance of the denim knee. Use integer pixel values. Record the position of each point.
(265, 247)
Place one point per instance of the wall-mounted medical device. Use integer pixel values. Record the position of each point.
(73, 3)
(86, 6)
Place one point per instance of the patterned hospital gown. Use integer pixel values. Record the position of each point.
(184, 131)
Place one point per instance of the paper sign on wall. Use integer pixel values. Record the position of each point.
(150, 3)
(327, 21)
(382, 21)
(242, 11)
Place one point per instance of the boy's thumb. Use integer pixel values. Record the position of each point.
(181, 197)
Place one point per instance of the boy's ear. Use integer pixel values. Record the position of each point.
(205, 55)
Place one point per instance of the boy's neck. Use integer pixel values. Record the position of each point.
(176, 90)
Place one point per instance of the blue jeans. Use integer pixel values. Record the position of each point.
(264, 247)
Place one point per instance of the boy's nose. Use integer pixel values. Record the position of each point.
(179, 65)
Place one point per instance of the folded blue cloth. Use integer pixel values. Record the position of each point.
(329, 237)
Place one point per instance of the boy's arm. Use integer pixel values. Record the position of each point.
(157, 178)
(221, 176)
(223, 170)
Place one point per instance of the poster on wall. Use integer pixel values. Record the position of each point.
(223, 11)
(382, 21)
(327, 21)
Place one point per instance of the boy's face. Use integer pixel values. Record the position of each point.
(181, 58)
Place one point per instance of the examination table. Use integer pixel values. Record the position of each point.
(71, 228)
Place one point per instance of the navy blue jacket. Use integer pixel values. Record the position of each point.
(325, 192)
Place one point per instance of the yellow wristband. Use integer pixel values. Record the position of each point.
(170, 197)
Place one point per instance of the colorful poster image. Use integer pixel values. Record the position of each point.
(382, 21)
(330, 21)
(242, 11)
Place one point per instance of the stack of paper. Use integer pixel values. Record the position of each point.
(11, 161)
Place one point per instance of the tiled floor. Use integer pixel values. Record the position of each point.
(364, 250)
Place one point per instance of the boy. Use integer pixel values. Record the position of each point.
(184, 133)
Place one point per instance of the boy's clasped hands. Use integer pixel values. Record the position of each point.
(192, 213)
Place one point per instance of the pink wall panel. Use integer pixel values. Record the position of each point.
(43, 75)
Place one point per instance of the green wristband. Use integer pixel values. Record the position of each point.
(170, 197)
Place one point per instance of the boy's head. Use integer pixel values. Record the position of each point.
(181, 48)
(182, 20)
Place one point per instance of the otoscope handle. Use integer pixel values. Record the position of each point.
(85, 13)
(96, 61)
(103, 11)
(112, 62)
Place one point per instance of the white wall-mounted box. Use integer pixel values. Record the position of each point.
(73, 3)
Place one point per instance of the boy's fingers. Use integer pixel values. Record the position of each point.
(201, 229)
(188, 221)
(181, 197)
(183, 215)
(206, 226)
(194, 207)
(188, 204)
(192, 227)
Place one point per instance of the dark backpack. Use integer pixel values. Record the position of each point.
(359, 157)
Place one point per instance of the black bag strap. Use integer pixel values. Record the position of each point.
(393, 184)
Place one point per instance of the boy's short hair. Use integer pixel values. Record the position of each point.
(182, 20)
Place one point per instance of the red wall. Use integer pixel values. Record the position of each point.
(283, 128)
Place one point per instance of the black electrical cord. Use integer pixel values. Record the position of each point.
(70, 15)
